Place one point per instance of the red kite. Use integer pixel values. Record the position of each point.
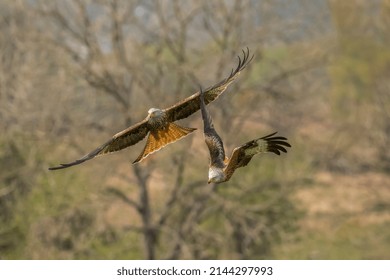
(221, 167)
(159, 123)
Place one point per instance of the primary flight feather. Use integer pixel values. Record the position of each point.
(159, 123)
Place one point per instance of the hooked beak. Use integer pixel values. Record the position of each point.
(208, 182)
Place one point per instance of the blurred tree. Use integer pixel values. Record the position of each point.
(359, 89)
(83, 60)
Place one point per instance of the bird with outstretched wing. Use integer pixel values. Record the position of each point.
(221, 167)
(159, 124)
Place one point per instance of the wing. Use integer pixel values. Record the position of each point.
(119, 141)
(212, 139)
(242, 155)
(190, 105)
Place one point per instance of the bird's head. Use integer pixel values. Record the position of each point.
(216, 176)
(154, 112)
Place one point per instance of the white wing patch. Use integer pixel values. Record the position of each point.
(261, 147)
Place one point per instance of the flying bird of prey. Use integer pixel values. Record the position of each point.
(221, 167)
(159, 123)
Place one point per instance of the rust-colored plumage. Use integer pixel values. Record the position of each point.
(221, 167)
(160, 138)
(159, 123)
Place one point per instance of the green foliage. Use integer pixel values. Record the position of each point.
(355, 72)
(17, 178)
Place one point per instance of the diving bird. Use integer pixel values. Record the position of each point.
(159, 124)
(221, 167)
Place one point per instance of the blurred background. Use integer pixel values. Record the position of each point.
(74, 73)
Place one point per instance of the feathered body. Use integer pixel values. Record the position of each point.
(162, 132)
(221, 167)
(159, 124)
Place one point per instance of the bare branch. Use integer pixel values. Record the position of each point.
(121, 195)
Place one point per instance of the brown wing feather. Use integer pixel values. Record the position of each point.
(190, 105)
(242, 155)
(119, 141)
(212, 139)
(236, 160)
(128, 137)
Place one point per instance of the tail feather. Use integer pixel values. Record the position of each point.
(160, 138)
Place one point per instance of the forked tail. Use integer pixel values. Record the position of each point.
(160, 138)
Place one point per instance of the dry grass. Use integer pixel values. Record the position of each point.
(347, 217)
